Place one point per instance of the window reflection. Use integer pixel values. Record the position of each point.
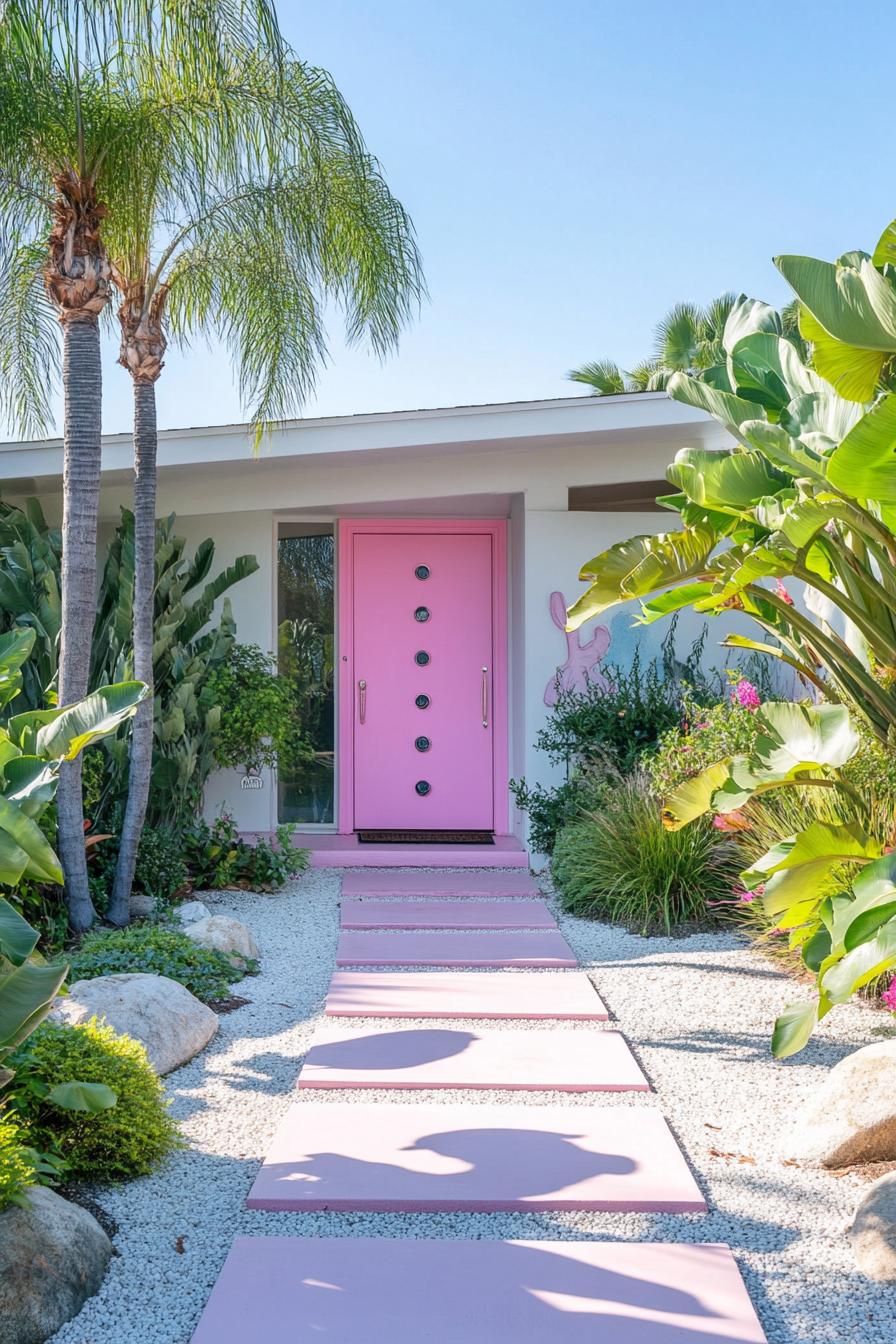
(306, 642)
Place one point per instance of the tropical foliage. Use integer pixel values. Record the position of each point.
(158, 951)
(806, 496)
(687, 340)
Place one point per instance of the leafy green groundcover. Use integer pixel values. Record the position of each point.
(16, 1163)
(158, 951)
(126, 1140)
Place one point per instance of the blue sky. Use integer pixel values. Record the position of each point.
(573, 170)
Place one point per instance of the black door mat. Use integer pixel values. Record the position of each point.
(425, 837)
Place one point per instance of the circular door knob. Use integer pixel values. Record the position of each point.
(422, 787)
(422, 743)
(421, 658)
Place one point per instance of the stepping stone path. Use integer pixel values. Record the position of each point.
(463, 1157)
(445, 914)
(501, 994)
(574, 1061)
(536, 947)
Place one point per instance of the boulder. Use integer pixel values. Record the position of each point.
(852, 1117)
(191, 911)
(53, 1256)
(165, 1017)
(142, 906)
(223, 934)
(873, 1230)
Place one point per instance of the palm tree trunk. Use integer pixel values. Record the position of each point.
(145, 445)
(82, 386)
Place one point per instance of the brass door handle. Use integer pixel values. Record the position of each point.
(362, 700)
(485, 697)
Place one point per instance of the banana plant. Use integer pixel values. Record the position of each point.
(831, 887)
(806, 493)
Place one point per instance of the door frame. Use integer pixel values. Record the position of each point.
(346, 531)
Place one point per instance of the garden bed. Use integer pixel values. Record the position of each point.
(696, 1010)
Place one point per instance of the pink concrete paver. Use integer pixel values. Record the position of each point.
(529, 947)
(437, 1057)
(285, 1290)
(471, 994)
(421, 1157)
(399, 882)
(360, 913)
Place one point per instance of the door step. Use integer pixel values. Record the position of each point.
(425, 837)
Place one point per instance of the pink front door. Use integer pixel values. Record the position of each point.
(423, 680)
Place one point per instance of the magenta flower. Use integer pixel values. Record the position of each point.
(746, 695)
(888, 998)
(783, 593)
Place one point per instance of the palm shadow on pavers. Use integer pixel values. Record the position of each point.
(444, 913)
(465, 882)
(455, 1158)
(531, 947)
(496, 995)
(543, 1059)
(286, 1290)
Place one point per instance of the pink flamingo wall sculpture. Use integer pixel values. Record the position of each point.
(578, 671)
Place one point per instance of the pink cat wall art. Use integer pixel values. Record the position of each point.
(578, 672)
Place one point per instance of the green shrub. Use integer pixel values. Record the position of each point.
(620, 864)
(158, 951)
(17, 1169)
(260, 712)
(218, 858)
(549, 810)
(127, 1140)
(706, 734)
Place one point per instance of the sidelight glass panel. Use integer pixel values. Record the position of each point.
(306, 643)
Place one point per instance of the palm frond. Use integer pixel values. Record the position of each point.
(678, 335)
(602, 376)
(29, 342)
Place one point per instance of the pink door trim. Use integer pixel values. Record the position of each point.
(347, 530)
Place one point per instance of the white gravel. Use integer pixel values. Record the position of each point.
(697, 1012)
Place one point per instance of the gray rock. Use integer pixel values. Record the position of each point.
(872, 1234)
(223, 934)
(53, 1256)
(142, 907)
(165, 1017)
(852, 1117)
(191, 911)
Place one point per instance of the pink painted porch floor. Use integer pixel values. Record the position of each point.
(404, 883)
(421, 1157)
(358, 913)
(531, 947)
(291, 1290)
(471, 994)
(441, 1057)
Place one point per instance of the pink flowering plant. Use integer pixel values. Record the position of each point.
(707, 734)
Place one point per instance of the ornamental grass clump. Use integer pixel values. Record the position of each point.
(621, 865)
(125, 1140)
(159, 951)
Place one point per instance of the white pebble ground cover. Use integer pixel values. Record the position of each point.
(697, 1012)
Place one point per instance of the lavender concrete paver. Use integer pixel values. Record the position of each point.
(421, 1157)
(398, 882)
(436, 1057)
(359, 913)
(285, 1290)
(530, 947)
(471, 994)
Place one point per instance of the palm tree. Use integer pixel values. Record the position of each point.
(687, 340)
(252, 218)
(71, 72)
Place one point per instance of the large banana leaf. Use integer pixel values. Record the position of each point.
(640, 566)
(727, 482)
(863, 964)
(26, 996)
(804, 737)
(17, 938)
(864, 465)
(853, 303)
(75, 727)
(15, 648)
(732, 411)
(851, 371)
